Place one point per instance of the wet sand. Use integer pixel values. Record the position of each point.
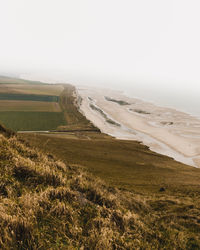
(164, 130)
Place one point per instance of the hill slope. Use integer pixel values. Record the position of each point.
(45, 204)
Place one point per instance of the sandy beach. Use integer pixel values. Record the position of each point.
(164, 130)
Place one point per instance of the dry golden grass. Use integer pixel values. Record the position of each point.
(45, 204)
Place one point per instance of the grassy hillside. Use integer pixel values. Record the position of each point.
(144, 201)
(162, 193)
(46, 204)
(123, 164)
(69, 105)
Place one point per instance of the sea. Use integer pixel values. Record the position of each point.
(185, 101)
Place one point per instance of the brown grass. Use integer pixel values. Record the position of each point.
(45, 204)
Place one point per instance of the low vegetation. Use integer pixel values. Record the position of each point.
(46, 204)
(29, 97)
(69, 103)
(166, 123)
(127, 165)
(140, 111)
(32, 121)
(36, 89)
(51, 196)
(12, 105)
(107, 119)
(120, 102)
(13, 80)
(31, 111)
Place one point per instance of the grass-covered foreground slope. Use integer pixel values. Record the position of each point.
(45, 204)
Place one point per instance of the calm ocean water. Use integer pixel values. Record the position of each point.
(186, 101)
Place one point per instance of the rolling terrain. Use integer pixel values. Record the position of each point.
(52, 197)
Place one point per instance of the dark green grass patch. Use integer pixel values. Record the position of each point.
(120, 102)
(29, 97)
(32, 121)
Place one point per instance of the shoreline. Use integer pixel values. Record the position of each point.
(163, 129)
(177, 109)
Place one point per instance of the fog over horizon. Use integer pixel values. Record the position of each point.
(139, 45)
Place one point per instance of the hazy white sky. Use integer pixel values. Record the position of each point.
(154, 42)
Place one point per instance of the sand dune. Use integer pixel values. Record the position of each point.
(164, 130)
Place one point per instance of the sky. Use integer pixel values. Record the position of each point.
(149, 43)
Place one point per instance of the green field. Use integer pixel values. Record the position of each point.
(30, 106)
(37, 89)
(29, 97)
(32, 121)
(18, 105)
